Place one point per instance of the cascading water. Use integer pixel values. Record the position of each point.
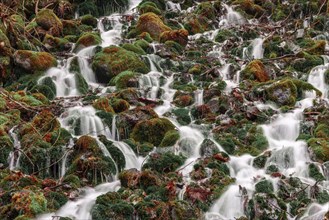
(15, 155)
(290, 156)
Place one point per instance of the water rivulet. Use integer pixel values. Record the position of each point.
(167, 110)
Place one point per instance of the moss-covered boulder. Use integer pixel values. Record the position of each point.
(319, 148)
(86, 40)
(164, 163)
(125, 80)
(148, 6)
(113, 60)
(152, 24)
(282, 92)
(29, 202)
(255, 70)
(152, 131)
(88, 19)
(179, 36)
(250, 8)
(33, 62)
(103, 104)
(48, 20)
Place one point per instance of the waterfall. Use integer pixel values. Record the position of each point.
(14, 156)
(84, 121)
(257, 48)
(233, 17)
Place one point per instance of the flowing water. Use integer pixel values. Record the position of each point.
(15, 155)
(288, 154)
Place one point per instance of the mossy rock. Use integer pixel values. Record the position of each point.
(306, 62)
(148, 7)
(134, 48)
(103, 104)
(319, 148)
(145, 36)
(322, 131)
(29, 202)
(282, 92)
(6, 146)
(315, 173)
(164, 163)
(264, 186)
(5, 48)
(119, 105)
(182, 116)
(160, 4)
(179, 36)
(88, 19)
(152, 130)
(113, 60)
(250, 8)
(71, 28)
(207, 10)
(255, 70)
(223, 35)
(32, 61)
(196, 24)
(152, 24)
(125, 80)
(170, 139)
(87, 40)
(48, 20)
(56, 44)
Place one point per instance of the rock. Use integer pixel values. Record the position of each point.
(255, 70)
(87, 40)
(182, 116)
(208, 148)
(90, 20)
(152, 24)
(119, 105)
(126, 121)
(264, 186)
(152, 130)
(179, 36)
(170, 138)
(113, 60)
(47, 19)
(282, 92)
(103, 104)
(319, 149)
(125, 80)
(148, 7)
(164, 163)
(34, 62)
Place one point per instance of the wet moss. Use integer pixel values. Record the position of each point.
(255, 70)
(179, 36)
(170, 138)
(315, 173)
(319, 148)
(152, 131)
(152, 24)
(282, 93)
(164, 163)
(182, 116)
(103, 104)
(148, 6)
(113, 60)
(86, 40)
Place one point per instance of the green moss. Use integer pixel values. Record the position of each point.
(119, 105)
(182, 116)
(34, 61)
(283, 92)
(255, 70)
(315, 173)
(148, 7)
(152, 131)
(322, 131)
(90, 20)
(86, 40)
(30, 203)
(113, 60)
(223, 35)
(164, 163)
(170, 138)
(48, 20)
(152, 24)
(326, 77)
(306, 62)
(55, 200)
(264, 186)
(81, 83)
(6, 146)
(320, 148)
(134, 48)
(116, 154)
(103, 104)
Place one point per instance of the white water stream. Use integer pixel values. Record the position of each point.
(281, 133)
